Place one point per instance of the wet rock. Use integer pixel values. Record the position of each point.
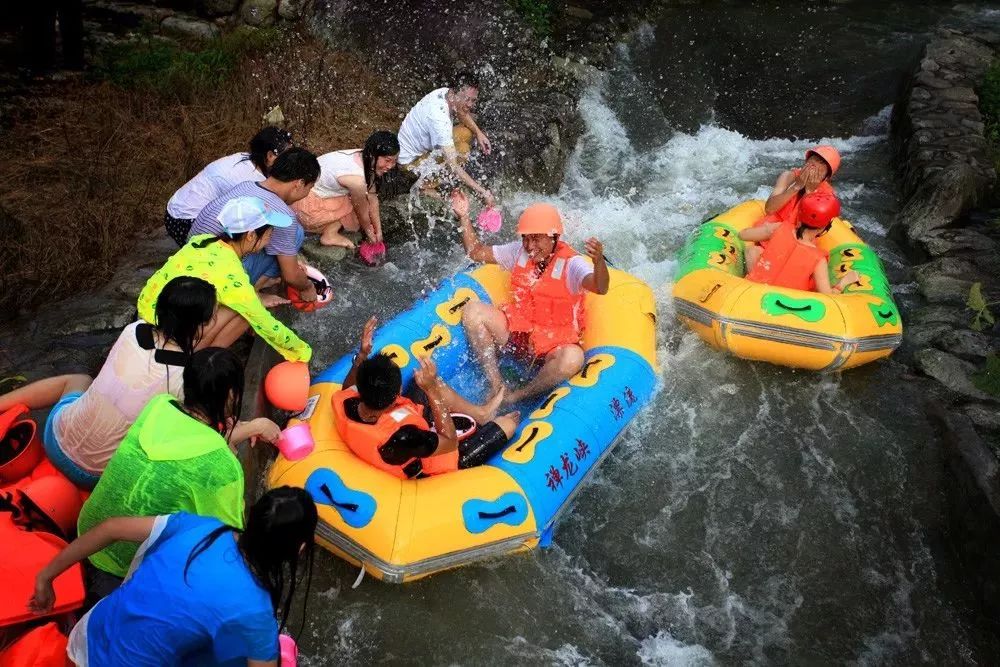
(949, 266)
(577, 70)
(87, 316)
(951, 240)
(291, 10)
(943, 289)
(259, 13)
(217, 7)
(985, 417)
(940, 314)
(965, 343)
(939, 199)
(923, 335)
(950, 371)
(189, 28)
(321, 255)
(578, 13)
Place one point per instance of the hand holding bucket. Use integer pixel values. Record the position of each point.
(296, 442)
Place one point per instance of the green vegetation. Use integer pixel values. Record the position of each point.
(989, 103)
(982, 318)
(537, 14)
(169, 69)
(988, 379)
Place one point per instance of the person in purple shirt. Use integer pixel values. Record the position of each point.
(290, 178)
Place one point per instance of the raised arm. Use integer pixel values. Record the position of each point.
(474, 248)
(119, 529)
(427, 379)
(598, 281)
(786, 187)
(364, 351)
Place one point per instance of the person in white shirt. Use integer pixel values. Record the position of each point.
(429, 140)
(220, 176)
(346, 194)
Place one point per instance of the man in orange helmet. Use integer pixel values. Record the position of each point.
(822, 162)
(544, 322)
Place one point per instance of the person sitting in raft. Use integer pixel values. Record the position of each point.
(428, 133)
(219, 177)
(290, 178)
(199, 591)
(395, 434)
(791, 258)
(179, 457)
(544, 322)
(90, 417)
(822, 162)
(246, 225)
(346, 194)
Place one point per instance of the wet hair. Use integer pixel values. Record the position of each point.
(270, 139)
(278, 526)
(379, 381)
(802, 228)
(294, 164)
(223, 236)
(184, 306)
(379, 144)
(213, 385)
(466, 79)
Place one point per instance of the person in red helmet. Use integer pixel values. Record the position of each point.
(822, 162)
(791, 258)
(543, 323)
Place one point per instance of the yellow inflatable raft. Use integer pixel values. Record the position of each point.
(785, 326)
(401, 530)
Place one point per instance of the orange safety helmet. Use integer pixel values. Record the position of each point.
(287, 385)
(818, 209)
(57, 498)
(828, 154)
(540, 219)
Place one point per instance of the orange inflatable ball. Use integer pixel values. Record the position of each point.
(287, 386)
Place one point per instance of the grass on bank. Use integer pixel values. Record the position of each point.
(89, 168)
(989, 105)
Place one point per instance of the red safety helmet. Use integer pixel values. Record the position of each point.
(817, 210)
(57, 498)
(20, 448)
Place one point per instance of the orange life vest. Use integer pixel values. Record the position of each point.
(365, 440)
(790, 211)
(543, 306)
(787, 262)
(44, 646)
(23, 554)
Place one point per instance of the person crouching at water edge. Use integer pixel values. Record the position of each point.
(408, 438)
(246, 225)
(346, 194)
(430, 142)
(544, 322)
(221, 176)
(822, 162)
(199, 591)
(791, 258)
(289, 179)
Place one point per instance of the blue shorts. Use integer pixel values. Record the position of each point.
(82, 478)
(260, 264)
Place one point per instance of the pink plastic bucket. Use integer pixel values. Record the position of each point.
(372, 254)
(289, 651)
(296, 442)
(489, 220)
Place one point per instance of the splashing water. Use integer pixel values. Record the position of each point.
(752, 513)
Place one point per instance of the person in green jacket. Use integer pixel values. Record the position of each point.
(247, 224)
(179, 457)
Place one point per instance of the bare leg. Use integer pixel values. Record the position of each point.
(457, 403)
(486, 328)
(751, 254)
(508, 423)
(560, 364)
(331, 236)
(224, 330)
(45, 393)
